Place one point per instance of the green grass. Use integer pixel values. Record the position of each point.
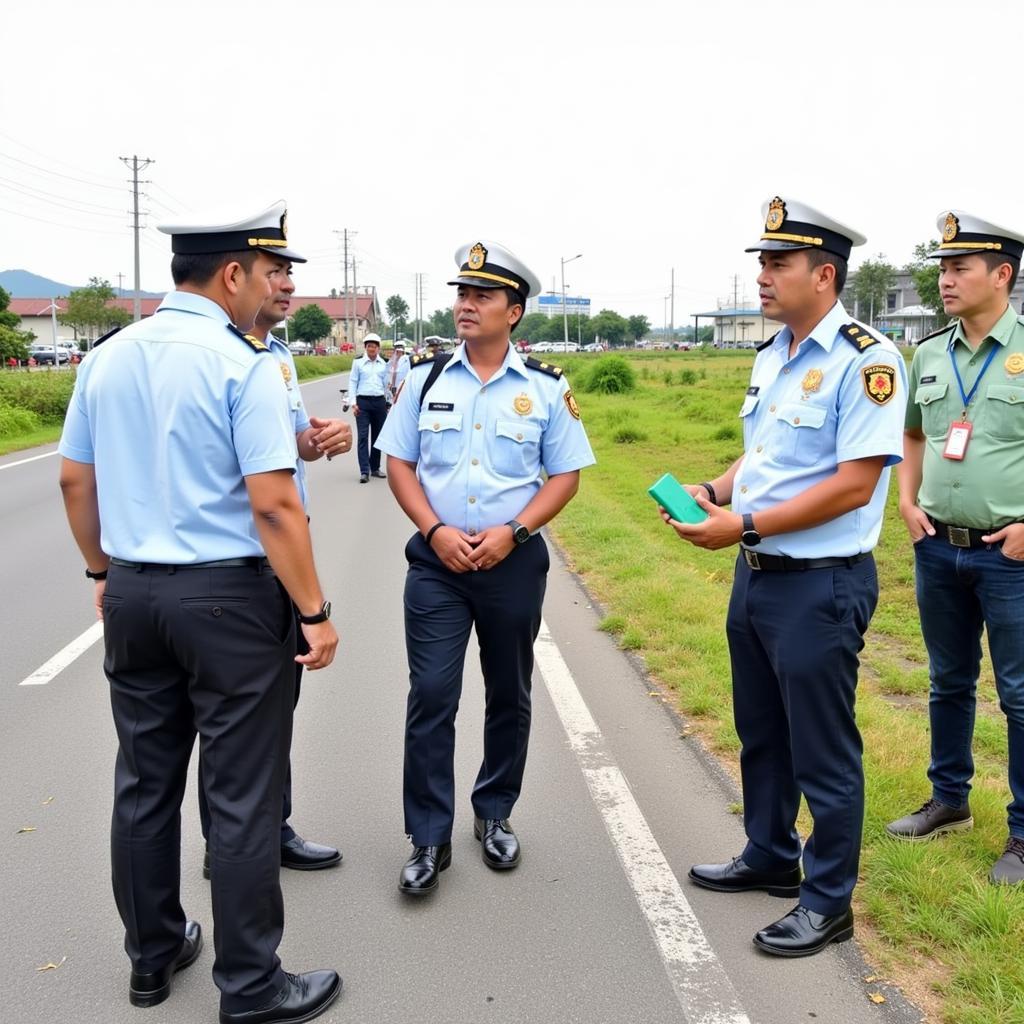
(933, 915)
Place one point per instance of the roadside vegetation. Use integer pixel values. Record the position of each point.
(934, 924)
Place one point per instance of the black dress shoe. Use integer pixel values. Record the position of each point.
(803, 932)
(420, 873)
(301, 855)
(379, 474)
(738, 876)
(364, 478)
(151, 989)
(498, 842)
(305, 996)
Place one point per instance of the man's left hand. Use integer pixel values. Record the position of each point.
(721, 529)
(1012, 538)
(492, 546)
(331, 437)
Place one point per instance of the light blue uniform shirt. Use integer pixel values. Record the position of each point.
(480, 448)
(368, 377)
(400, 370)
(175, 411)
(300, 420)
(805, 415)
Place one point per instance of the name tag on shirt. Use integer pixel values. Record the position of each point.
(930, 379)
(753, 390)
(440, 406)
(957, 439)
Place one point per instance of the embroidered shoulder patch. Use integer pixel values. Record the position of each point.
(858, 336)
(570, 404)
(254, 343)
(420, 360)
(536, 364)
(879, 382)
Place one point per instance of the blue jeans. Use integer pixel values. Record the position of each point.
(961, 591)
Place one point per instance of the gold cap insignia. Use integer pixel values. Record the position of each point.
(477, 256)
(522, 404)
(1015, 363)
(776, 215)
(812, 381)
(286, 372)
(284, 225)
(950, 228)
(570, 404)
(879, 383)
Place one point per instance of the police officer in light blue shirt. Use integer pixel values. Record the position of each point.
(822, 424)
(177, 473)
(368, 388)
(483, 449)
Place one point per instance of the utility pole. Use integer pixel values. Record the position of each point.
(346, 318)
(355, 299)
(120, 279)
(735, 307)
(136, 166)
(672, 307)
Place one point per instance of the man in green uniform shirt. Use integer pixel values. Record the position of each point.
(962, 497)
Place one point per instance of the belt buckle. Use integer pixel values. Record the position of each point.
(959, 536)
(751, 558)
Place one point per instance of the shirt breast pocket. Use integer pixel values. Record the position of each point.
(516, 449)
(1004, 412)
(934, 418)
(800, 437)
(440, 438)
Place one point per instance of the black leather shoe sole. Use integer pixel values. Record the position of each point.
(495, 865)
(153, 997)
(788, 891)
(767, 947)
(315, 865)
(444, 862)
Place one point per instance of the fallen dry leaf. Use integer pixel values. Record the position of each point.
(27, 828)
(870, 978)
(48, 800)
(876, 997)
(51, 966)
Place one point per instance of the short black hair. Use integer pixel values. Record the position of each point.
(994, 260)
(515, 299)
(198, 268)
(819, 257)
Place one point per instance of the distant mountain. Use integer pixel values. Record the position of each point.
(22, 284)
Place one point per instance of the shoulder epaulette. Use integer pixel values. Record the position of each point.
(253, 342)
(858, 337)
(765, 344)
(536, 364)
(420, 360)
(105, 337)
(942, 330)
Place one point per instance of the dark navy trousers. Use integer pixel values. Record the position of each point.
(373, 411)
(794, 641)
(208, 651)
(503, 604)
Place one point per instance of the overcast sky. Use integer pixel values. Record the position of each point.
(644, 135)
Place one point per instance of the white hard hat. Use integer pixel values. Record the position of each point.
(375, 338)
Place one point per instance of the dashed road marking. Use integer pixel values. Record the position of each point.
(63, 658)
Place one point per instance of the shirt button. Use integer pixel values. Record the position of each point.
(956, 485)
(743, 489)
(771, 408)
(472, 501)
(472, 533)
(796, 419)
(519, 437)
(786, 370)
(476, 462)
(476, 426)
(437, 426)
(760, 447)
(483, 389)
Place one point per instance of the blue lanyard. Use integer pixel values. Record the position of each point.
(968, 396)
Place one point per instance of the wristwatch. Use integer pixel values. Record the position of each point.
(520, 533)
(321, 616)
(90, 575)
(750, 537)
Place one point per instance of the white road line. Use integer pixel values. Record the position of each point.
(62, 659)
(21, 462)
(703, 988)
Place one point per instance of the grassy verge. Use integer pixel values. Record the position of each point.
(32, 405)
(936, 926)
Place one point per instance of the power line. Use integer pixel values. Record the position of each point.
(57, 174)
(54, 160)
(77, 208)
(59, 224)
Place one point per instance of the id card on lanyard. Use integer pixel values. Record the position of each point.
(960, 430)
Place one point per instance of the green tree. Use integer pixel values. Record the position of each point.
(531, 327)
(610, 327)
(13, 342)
(638, 327)
(7, 318)
(442, 323)
(89, 313)
(925, 275)
(397, 309)
(310, 324)
(872, 283)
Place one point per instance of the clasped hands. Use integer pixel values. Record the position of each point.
(462, 552)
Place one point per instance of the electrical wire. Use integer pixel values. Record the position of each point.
(57, 174)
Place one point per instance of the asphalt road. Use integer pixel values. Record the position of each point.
(597, 925)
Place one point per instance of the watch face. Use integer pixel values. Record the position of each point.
(326, 610)
(522, 535)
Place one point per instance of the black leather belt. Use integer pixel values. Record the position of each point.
(961, 536)
(783, 563)
(257, 562)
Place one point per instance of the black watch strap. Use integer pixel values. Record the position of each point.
(90, 575)
(428, 536)
(321, 616)
(711, 492)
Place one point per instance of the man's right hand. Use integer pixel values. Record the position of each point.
(918, 523)
(323, 642)
(454, 547)
(355, 409)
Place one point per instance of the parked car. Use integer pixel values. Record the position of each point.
(594, 346)
(44, 355)
(523, 348)
(300, 348)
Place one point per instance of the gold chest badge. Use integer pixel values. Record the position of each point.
(523, 404)
(477, 256)
(812, 381)
(286, 372)
(1014, 364)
